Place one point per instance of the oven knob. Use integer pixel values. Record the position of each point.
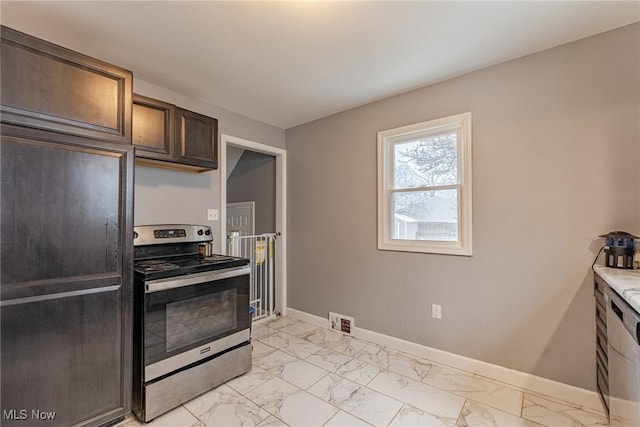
(200, 232)
(207, 232)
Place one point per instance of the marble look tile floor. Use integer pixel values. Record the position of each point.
(303, 375)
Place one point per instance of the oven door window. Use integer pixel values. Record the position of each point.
(183, 318)
(192, 320)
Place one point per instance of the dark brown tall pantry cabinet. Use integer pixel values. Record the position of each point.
(66, 230)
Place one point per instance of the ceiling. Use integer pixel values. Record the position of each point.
(287, 63)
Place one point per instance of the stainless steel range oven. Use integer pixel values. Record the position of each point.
(191, 317)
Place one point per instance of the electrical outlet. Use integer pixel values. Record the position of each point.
(436, 311)
(341, 323)
(212, 214)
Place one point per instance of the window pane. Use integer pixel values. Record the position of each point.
(425, 215)
(425, 162)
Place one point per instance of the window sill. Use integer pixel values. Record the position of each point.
(443, 248)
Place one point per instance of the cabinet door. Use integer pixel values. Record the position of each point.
(65, 327)
(196, 139)
(50, 87)
(61, 353)
(152, 128)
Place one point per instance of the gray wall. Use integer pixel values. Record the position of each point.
(254, 178)
(556, 161)
(167, 196)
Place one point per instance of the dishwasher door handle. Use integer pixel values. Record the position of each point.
(627, 315)
(617, 310)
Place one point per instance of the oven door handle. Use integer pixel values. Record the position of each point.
(194, 279)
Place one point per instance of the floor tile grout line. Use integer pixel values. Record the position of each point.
(461, 410)
(339, 366)
(397, 413)
(340, 376)
(369, 389)
(487, 404)
(238, 395)
(332, 417)
(573, 405)
(321, 347)
(384, 394)
(431, 363)
(196, 416)
(482, 377)
(523, 391)
(303, 390)
(262, 407)
(468, 399)
(343, 378)
(349, 413)
(253, 388)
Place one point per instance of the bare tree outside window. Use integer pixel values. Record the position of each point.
(426, 162)
(420, 214)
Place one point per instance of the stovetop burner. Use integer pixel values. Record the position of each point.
(169, 250)
(157, 268)
(155, 265)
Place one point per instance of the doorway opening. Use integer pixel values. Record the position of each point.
(253, 216)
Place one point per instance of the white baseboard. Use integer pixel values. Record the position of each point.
(586, 398)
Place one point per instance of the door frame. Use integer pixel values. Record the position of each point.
(281, 206)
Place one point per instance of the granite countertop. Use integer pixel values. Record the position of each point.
(625, 282)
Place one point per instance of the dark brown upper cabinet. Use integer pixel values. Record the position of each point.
(153, 128)
(171, 137)
(50, 87)
(196, 139)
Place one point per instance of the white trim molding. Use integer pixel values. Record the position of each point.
(586, 398)
(281, 206)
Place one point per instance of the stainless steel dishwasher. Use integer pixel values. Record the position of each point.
(623, 334)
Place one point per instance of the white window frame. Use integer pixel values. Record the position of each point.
(460, 123)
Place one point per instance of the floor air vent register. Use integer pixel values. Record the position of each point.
(341, 323)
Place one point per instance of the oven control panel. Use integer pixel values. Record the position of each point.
(171, 233)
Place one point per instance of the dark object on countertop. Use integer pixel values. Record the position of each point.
(619, 249)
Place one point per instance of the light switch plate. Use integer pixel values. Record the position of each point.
(212, 214)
